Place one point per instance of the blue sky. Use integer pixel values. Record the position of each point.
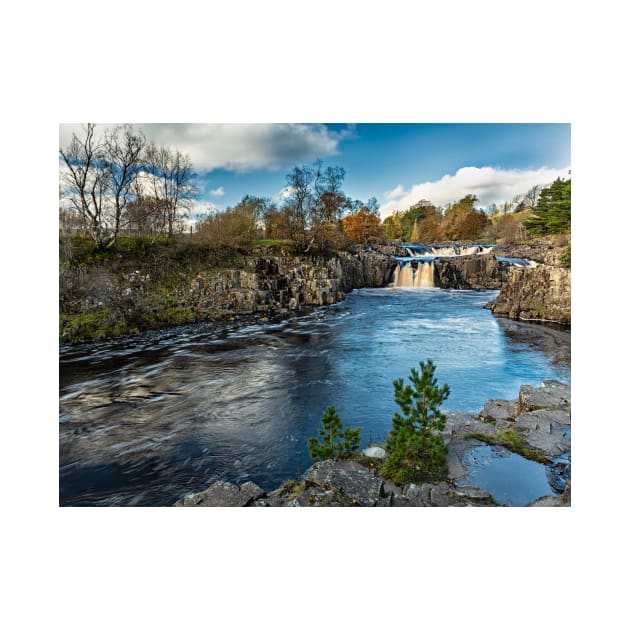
(394, 162)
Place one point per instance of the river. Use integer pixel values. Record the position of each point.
(145, 420)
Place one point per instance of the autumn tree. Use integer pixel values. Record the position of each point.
(234, 227)
(363, 226)
(430, 227)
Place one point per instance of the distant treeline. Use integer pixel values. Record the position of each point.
(123, 185)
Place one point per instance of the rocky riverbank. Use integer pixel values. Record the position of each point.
(105, 301)
(536, 426)
(542, 293)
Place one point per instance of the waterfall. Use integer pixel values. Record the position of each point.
(424, 275)
(421, 278)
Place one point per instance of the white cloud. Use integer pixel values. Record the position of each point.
(489, 184)
(218, 192)
(237, 147)
(283, 193)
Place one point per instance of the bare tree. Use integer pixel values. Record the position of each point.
(530, 198)
(300, 181)
(173, 181)
(85, 182)
(122, 150)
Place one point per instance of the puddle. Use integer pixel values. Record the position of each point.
(508, 477)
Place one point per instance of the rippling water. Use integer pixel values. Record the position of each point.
(143, 421)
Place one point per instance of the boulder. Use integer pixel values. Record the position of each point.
(374, 451)
(358, 483)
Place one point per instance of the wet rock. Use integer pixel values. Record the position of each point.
(374, 451)
(223, 494)
(551, 394)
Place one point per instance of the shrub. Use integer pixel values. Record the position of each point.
(415, 449)
(334, 443)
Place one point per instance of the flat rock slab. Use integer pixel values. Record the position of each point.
(550, 395)
(500, 410)
(552, 443)
(459, 423)
(223, 494)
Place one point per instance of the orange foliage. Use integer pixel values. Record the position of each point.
(363, 226)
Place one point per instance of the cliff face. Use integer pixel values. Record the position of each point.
(278, 284)
(470, 272)
(542, 293)
(102, 301)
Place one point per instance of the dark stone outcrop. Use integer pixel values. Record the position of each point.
(481, 271)
(280, 284)
(535, 294)
(223, 494)
(544, 250)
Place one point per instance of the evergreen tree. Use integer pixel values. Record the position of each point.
(552, 212)
(415, 449)
(334, 443)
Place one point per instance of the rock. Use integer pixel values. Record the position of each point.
(551, 394)
(441, 495)
(551, 500)
(459, 423)
(470, 272)
(500, 410)
(471, 492)
(223, 494)
(374, 451)
(354, 481)
(392, 488)
(542, 293)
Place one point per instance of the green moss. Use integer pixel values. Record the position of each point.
(511, 439)
(178, 315)
(90, 325)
